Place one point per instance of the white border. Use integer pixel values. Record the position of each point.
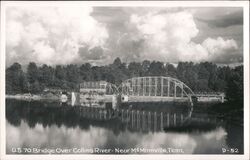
(244, 4)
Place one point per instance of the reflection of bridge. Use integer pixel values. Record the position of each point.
(142, 120)
(152, 120)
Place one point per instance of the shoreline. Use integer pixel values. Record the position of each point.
(32, 97)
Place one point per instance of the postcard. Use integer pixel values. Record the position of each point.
(124, 80)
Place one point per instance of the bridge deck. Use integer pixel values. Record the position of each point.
(157, 99)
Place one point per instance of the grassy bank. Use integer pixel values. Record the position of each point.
(33, 96)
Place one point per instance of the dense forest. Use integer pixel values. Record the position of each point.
(200, 77)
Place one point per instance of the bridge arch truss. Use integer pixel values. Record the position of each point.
(95, 87)
(155, 86)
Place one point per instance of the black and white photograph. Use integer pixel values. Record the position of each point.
(124, 79)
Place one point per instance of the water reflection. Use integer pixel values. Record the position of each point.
(131, 118)
(51, 125)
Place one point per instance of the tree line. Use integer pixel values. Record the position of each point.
(200, 77)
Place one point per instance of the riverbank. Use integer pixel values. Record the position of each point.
(33, 96)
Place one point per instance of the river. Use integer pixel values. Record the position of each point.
(42, 127)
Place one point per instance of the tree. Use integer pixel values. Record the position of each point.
(156, 69)
(47, 75)
(60, 73)
(32, 72)
(170, 70)
(36, 87)
(134, 69)
(234, 91)
(203, 72)
(73, 76)
(187, 73)
(117, 62)
(15, 79)
(118, 72)
(145, 67)
(85, 71)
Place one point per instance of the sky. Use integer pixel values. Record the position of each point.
(98, 35)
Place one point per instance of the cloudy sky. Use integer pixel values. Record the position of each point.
(65, 35)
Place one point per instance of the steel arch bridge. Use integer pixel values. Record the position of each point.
(156, 86)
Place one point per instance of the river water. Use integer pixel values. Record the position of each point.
(39, 127)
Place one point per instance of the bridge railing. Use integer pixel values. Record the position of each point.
(209, 93)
